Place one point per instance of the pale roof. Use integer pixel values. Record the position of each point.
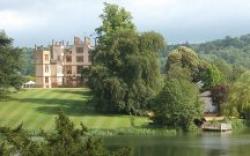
(30, 83)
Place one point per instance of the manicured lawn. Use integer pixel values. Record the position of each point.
(37, 108)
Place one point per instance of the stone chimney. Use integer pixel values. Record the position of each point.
(77, 40)
(87, 40)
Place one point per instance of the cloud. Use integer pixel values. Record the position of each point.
(39, 21)
(16, 21)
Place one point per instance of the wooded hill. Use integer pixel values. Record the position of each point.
(233, 50)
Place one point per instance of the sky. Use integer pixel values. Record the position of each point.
(31, 22)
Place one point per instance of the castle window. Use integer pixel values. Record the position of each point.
(46, 79)
(79, 59)
(68, 69)
(46, 68)
(68, 59)
(68, 51)
(46, 57)
(79, 49)
(59, 70)
(79, 69)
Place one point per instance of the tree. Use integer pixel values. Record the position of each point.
(225, 68)
(66, 141)
(177, 105)
(238, 99)
(10, 63)
(125, 71)
(183, 56)
(186, 58)
(237, 71)
(234, 51)
(114, 19)
(211, 77)
(193, 66)
(177, 72)
(28, 62)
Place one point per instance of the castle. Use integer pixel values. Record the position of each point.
(61, 64)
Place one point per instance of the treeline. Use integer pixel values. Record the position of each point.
(232, 50)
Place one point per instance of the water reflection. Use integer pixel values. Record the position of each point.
(207, 144)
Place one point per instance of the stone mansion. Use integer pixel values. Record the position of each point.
(61, 64)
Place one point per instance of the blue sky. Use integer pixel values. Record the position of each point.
(32, 22)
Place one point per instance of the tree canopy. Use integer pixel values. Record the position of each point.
(184, 62)
(238, 103)
(232, 50)
(177, 105)
(125, 71)
(184, 56)
(10, 63)
(211, 77)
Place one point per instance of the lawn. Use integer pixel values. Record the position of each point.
(37, 108)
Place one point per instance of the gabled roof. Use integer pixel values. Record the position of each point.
(206, 93)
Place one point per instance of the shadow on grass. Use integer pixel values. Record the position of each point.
(71, 107)
(52, 106)
(83, 92)
(76, 110)
(75, 105)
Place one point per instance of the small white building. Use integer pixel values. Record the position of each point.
(29, 84)
(209, 106)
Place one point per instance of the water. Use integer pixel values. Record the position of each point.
(207, 144)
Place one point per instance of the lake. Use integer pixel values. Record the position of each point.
(206, 144)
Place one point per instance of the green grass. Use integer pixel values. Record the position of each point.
(37, 109)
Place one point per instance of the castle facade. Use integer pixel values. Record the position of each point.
(61, 64)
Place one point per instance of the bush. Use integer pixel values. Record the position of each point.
(177, 105)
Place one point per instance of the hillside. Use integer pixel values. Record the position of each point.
(233, 50)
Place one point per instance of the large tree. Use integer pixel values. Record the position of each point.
(184, 57)
(177, 105)
(10, 64)
(125, 71)
(238, 103)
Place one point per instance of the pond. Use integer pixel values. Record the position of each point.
(206, 144)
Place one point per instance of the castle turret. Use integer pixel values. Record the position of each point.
(43, 71)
